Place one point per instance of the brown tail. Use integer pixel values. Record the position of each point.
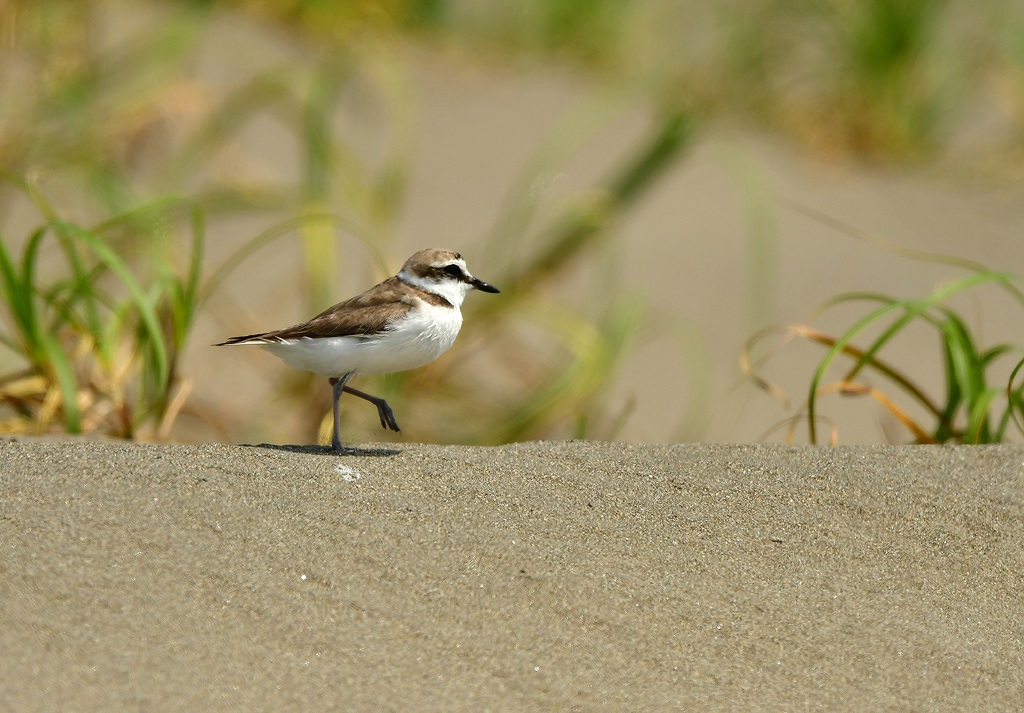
(241, 340)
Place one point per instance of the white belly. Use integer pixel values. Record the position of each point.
(425, 335)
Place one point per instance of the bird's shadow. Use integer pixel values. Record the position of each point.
(327, 450)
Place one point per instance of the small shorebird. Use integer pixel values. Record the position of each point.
(404, 322)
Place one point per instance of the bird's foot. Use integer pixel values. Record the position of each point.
(340, 449)
(387, 416)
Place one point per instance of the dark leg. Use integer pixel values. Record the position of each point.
(387, 416)
(338, 386)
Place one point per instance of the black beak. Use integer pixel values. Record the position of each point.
(483, 286)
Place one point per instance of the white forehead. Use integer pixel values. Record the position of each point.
(450, 261)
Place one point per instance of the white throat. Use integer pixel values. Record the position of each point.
(450, 289)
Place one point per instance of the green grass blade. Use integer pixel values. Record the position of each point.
(84, 279)
(1015, 397)
(17, 292)
(147, 315)
(819, 373)
(195, 269)
(269, 90)
(1007, 281)
(990, 355)
(978, 430)
(969, 370)
(268, 236)
(954, 395)
(911, 310)
(185, 293)
(854, 297)
(572, 235)
(555, 151)
(62, 370)
(915, 308)
(965, 378)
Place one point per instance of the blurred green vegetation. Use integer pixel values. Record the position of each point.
(982, 397)
(112, 149)
(884, 79)
(100, 336)
(982, 392)
(115, 146)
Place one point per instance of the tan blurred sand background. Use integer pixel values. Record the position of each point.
(721, 246)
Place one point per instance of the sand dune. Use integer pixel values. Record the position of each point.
(540, 576)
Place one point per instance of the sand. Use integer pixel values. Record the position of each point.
(538, 576)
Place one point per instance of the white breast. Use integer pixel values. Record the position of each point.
(423, 335)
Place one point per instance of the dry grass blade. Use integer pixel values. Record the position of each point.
(750, 367)
(849, 388)
(792, 423)
(862, 357)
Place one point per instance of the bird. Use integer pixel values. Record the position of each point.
(404, 322)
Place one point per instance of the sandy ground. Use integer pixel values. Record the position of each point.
(538, 576)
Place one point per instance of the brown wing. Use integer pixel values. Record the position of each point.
(365, 314)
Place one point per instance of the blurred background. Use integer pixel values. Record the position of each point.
(662, 189)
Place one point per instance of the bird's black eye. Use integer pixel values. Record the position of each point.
(453, 270)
